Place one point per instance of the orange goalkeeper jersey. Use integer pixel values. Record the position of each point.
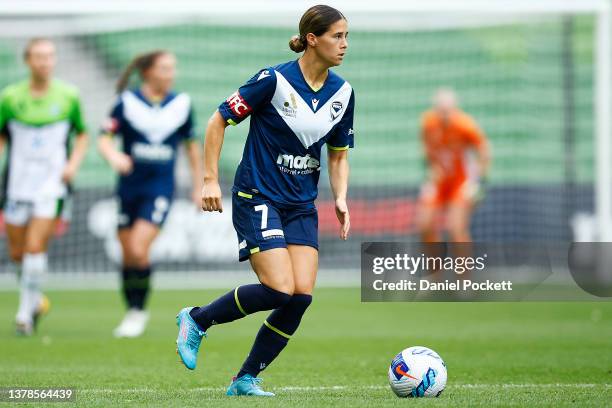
(447, 144)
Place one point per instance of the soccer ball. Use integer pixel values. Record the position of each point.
(417, 372)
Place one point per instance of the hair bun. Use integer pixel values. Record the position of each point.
(297, 44)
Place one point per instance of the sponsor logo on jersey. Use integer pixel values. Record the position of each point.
(238, 105)
(150, 152)
(315, 103)
(289, 110)
(264, 74)
(55, 110)
(295, 164)
(335, 109)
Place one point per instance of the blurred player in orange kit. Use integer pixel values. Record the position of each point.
(452, 140)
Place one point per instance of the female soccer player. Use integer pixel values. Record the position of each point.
(152, 121)
(295, 109)
(37, 118)
(449, 135)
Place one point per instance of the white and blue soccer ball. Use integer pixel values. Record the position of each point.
(417, 372)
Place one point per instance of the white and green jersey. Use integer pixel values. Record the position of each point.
(38, 131)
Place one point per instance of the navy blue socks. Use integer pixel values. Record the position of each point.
(135, 286)
(275, 334)
(238, 303)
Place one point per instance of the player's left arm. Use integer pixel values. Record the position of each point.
(338, 166)
(79, 148)
(338, 169)
(478, 139)
(195, 164)
(483, 150)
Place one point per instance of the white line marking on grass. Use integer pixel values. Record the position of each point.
(346, 387)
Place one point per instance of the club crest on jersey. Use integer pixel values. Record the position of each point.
(335, 109)
(238, 105)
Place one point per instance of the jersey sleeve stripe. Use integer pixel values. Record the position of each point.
(330, 147)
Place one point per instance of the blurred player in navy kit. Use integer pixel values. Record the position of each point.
(152, 121)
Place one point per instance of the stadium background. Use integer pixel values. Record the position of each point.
(528, 80)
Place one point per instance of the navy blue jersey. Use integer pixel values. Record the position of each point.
(290, 123)
(151, 134)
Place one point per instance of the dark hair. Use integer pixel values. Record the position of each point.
(140, 63)
(31, 43)
(316, 20)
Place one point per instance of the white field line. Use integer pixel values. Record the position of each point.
(347, 387)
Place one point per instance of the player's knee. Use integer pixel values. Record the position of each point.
(16, 254)
(303, 286)
(138, 254)
(286, 286)
(425, 221)
(280, 282)
(35, 247)
(428, 233)
(301, 301)
(457, 230)
(277, 297)
(459, 233)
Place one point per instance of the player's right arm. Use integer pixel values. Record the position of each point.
(435, 170)
(119, 161)
(213, 141)
(237, 107)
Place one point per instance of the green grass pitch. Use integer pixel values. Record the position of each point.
(498, 354)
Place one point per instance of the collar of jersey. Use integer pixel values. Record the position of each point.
(162, 103)
(296, 79)
(303, 78)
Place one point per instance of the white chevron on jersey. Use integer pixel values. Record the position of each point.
(156, 123)
(308, 126)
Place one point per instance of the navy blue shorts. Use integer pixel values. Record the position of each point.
(261, 225)
(153, 209)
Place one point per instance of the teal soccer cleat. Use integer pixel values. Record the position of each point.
(247, 385)
(189, 338)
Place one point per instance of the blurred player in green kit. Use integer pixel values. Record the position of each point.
(37, 117)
